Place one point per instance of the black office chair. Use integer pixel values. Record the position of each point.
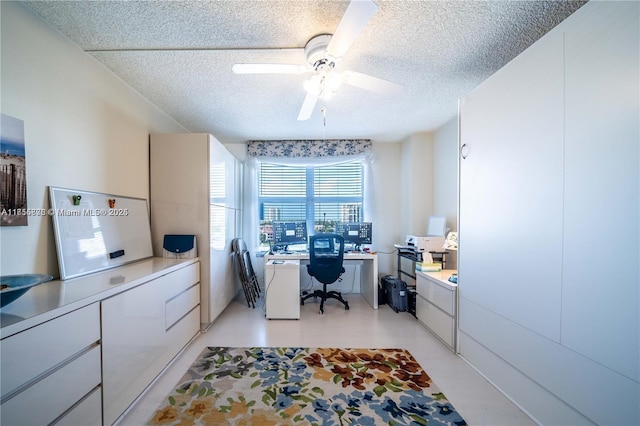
(326, 252)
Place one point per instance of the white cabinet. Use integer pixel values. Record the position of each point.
(195, 189)
(282, 289)
(142, 331)
(549, 177)
(436, 304)
(52, 371)
(511, 189)
(68, 345)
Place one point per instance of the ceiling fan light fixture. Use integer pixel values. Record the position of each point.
(331, 83)
(316, 48)
(313, 85)
(322, 54)
(324, 85)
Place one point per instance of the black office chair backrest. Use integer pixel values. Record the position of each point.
(326, 253)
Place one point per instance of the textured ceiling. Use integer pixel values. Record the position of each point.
(179, 55)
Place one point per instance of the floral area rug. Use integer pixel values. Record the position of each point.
(305, 386)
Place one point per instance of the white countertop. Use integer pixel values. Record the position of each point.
(442, 276)
(54, 298)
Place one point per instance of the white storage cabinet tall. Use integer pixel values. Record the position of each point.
(195, 189)
(549, 222)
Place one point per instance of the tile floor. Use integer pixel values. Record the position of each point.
(476, 400)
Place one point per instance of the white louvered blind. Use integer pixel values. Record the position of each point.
(320, 195)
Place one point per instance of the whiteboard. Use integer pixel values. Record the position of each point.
(95, 231)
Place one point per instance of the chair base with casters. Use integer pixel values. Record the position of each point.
(324, 295)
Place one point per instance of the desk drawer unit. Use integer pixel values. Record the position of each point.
(282, 289)
(436, 305)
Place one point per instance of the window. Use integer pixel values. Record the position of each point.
(321, 195)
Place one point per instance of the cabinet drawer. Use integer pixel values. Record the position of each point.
(441, 324)
(47, 399)
(182, 332)
(181, 304)
(33, 352)
(86, 413)
(177, 282)
(436, 293)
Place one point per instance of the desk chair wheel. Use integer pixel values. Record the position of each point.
(346, 308)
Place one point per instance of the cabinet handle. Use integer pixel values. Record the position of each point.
(464, 151)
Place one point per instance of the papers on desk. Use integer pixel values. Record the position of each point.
(428, 267)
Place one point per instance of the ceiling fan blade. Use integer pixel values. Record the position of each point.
(356, 17)
(373, 84)
(269, 69)
(307, 106)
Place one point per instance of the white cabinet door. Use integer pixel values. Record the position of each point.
(602, 220)
(133, 344)
(511, 190)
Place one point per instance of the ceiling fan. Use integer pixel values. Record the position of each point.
(322, 54)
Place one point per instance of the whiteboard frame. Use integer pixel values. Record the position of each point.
(65, 263)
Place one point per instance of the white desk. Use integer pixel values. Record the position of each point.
(368, 273)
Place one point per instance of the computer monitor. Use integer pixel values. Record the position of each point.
(357, 233)
(289, 233)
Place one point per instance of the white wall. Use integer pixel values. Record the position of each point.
(416, 172)
(429, 181)
(387, 204)
(84, 129)
(445, 178)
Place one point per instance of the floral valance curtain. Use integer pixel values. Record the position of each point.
(308, 148)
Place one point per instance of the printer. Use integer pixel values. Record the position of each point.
(426, 243)
(435, 238)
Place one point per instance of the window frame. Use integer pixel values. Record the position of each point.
(311, 199)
